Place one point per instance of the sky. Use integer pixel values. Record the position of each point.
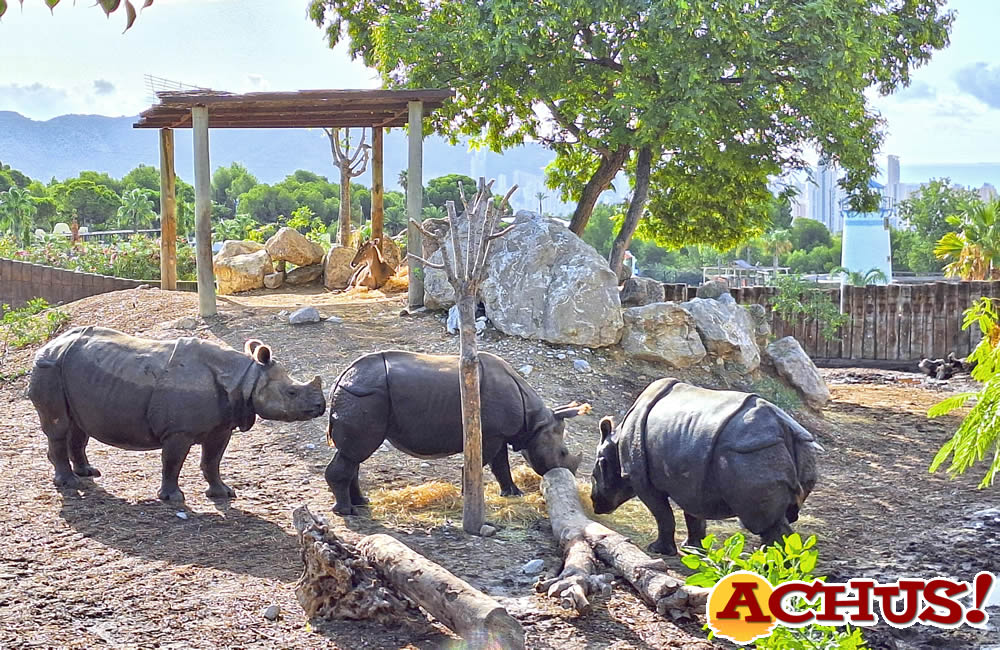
(75, 60)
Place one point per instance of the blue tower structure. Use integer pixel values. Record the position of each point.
(866, 242)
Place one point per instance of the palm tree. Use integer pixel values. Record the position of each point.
(402, 180)
(16, 212)
(541, 196)
(859, 279)
(136, 208)
(778, 243)
(973, 249)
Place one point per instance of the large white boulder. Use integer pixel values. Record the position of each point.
(727, 331)
(794, 365)
(242, 272)
(663, 332)
(337, 269)
(289, 245)
(234, 247)
(542, 282)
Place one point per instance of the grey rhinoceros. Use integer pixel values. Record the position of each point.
(716, 454)
(143, 394)
(413, 401)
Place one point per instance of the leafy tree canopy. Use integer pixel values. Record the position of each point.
(807, 234)
(724, 92)
(445, 188)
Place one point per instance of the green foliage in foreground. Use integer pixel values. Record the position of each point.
(793, 560)
(27, 325)
(979, 432)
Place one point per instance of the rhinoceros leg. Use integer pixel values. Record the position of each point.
(696, 530)
(211, 455)
(776, 532)
(57, 432)
(666, 526)
(341, 475)
(500, 466)
(78, 453)
(175, 451)
(357, 496)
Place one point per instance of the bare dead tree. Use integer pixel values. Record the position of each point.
(350, 166)
(466, 268)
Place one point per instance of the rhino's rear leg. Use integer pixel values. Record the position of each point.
(78, 453)
(211, 455)
(57, 431)
(500, 466)
(342, 477)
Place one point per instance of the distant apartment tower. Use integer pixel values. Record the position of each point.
(987, 192)
(824, 197)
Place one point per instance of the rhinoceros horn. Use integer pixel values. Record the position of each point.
(570, 410)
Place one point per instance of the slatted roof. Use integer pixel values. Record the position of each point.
(298, 109)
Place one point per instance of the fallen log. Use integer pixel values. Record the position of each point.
(660, 587)
(347, 576)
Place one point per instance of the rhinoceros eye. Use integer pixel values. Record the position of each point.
(292, 392)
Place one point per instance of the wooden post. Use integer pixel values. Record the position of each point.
(203, 211)
(414, 203)
(465, 266)
(168, 212)
(378, 189)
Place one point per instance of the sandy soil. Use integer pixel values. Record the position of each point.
(110, 566)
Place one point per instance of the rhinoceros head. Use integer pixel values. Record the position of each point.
(547, 448)
(276, 396)
(608, 488)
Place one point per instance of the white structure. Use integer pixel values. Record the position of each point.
(826, 196)
(866, 238)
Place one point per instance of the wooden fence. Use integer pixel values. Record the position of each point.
(898, 322)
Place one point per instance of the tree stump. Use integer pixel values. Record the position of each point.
(347, 576)
(584, 541)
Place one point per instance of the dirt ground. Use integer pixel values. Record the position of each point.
(110, 566)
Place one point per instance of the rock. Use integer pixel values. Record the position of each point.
(726, 330)
(305, 315)
(274, 280)
(241, 272)
(283, 312)
(310, 446)
(560, 356)
(337, 269)
(184, 323)
(453, 320)
(289, 245)
(542, 282)
(304, 274)
(795, 366)
(391, 253)
(712, 289)
(534, 567)
(639, 291)
(581, 365)
(664, 332)
(762, 329)
(142, 287)
(727, 299)
(234, 247)
(480, 326)
(272, 612)
(526, 369)
(182, 515)
(487, 531)
(336, 320)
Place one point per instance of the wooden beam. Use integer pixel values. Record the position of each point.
(168, 212)
(378, 189)
(414, 202)
(203, 212)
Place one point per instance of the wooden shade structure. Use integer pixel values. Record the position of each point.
(202, 110)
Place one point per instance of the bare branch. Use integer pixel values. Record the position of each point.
(498, 235)
(461, 266)
(461, 193)
(506, 199)
(572, 127)
(427, 263)
(426, 233)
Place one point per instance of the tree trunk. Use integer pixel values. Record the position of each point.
(347, 576)
(603, 175)
(656, 584)
(635, 208)
(473, 501)
(344, 227)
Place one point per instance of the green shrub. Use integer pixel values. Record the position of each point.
(795, 298)
(793, 560)
(27, 325)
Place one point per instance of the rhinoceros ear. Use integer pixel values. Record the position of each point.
(262, 354)
(607, 426)
(250, 346)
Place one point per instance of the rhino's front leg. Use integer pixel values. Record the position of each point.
(658, 504)
(500, 466)
(211, 455)
(696, 530)
(776, 532)
(175, 451)
(341, 474)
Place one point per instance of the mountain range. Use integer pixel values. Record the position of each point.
(64, 146)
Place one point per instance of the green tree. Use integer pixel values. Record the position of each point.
(144, 177)
(93, 204)
(136, 210)
(777, 242)
(10, 177)
(109, 7)
(265, 203)
(971, 252)
(721, 94)
(229, 184)
(807, 234)
(859, 278)
(16, 213)
(927, 211)
(442, 189)
(541, 196)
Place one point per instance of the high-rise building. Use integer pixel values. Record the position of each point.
(825, 196)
